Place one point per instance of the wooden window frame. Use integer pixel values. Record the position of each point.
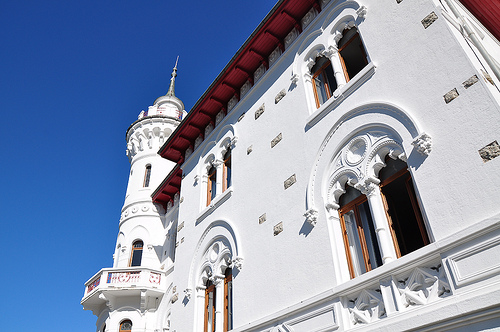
(227, 294)
(322, 71)
(227, 160)
(147, 176)
(212, 178)
(134, 249)
(353, 205)
(362, 47)
(415, 205)
(208, 290)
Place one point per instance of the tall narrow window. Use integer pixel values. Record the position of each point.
(228, 300)
(126, 326)
(227, 170)
(360, 240)
(402, 208)
(352, 53)
(147, 176)
(323, 79)
(212, 184)
(136, 256)
(209, 307)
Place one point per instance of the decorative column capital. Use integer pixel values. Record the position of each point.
(311, 216)
(423, 144)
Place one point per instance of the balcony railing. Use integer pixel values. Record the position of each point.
(117, 278)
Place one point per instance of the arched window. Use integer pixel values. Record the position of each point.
(126, 326)
(228, 300)
(227, 170)
(147, 176)
(209, 307)
(402, 208)
(352, 53)
(136, 256)
(323, 79)
(212, 184)
(362, 249)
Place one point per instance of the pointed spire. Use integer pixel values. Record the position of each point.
(172, 80)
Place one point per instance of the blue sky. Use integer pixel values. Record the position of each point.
(73, 76)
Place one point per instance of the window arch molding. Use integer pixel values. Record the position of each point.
(396, 120)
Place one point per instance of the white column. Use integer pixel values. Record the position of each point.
(338, 70)
(381, 225)
(199, 323)
(219, 302)
(220, 173)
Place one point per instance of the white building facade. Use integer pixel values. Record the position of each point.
(341, 173)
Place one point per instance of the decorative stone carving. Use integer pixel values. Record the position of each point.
(452, 94)
(259, 72)
(424, 285)
(176, 198)
(219, 117)
(278, 228)
(188, 292)
(232, 142)
(260, 111)
(262, 219)
(289, 39)
(196, 179)
(358, 163)
(308, 18)
(470, 82)
(279, 96)
(208, 129)
(181, 226)
(367, 307)
(294, 78)
(273, 57)
(245, 88)
(175, 297)
(241, 117)
(490, 151)
(311, 216)
(290, 181)
(232, 102)
(237, 262)
(361, 11)
(276, 140)
(423, 144)
(249, 149)
(189, 151)
(429, 19)
(282, 328)
(198, 141)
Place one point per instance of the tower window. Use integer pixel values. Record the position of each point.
(323, 80)
(126, 326)
(352, 53)
(209, 307)
(228, 300)
(363, 253)
(147, 176)
(136, 256)
(212, 184)
(227, 170)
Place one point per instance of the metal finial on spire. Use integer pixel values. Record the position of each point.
(172, 80)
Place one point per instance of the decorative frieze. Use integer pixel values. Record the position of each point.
(490, 151)
(219, 117)
(290, 181)
(290, 38)
(276, 140)
(429, 19)
(208, 129)
(198, 141)
(470, 82)
(259, 72)
(367, 307)
(260, 111)
(245, 88)
(280, 96)
(308, 18)
(452, 94)
(273, 57)
(232, 102)
(278, 228)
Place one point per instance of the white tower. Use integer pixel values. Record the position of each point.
(133, 289)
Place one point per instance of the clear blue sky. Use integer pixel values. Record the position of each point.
(74, 75)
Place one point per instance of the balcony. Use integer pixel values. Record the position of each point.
(137, 287)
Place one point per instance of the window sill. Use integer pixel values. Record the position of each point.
(340, 94)
(216, 202)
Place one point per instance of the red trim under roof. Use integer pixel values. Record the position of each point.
(169, 187)
(270, 34)
(487, 12)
